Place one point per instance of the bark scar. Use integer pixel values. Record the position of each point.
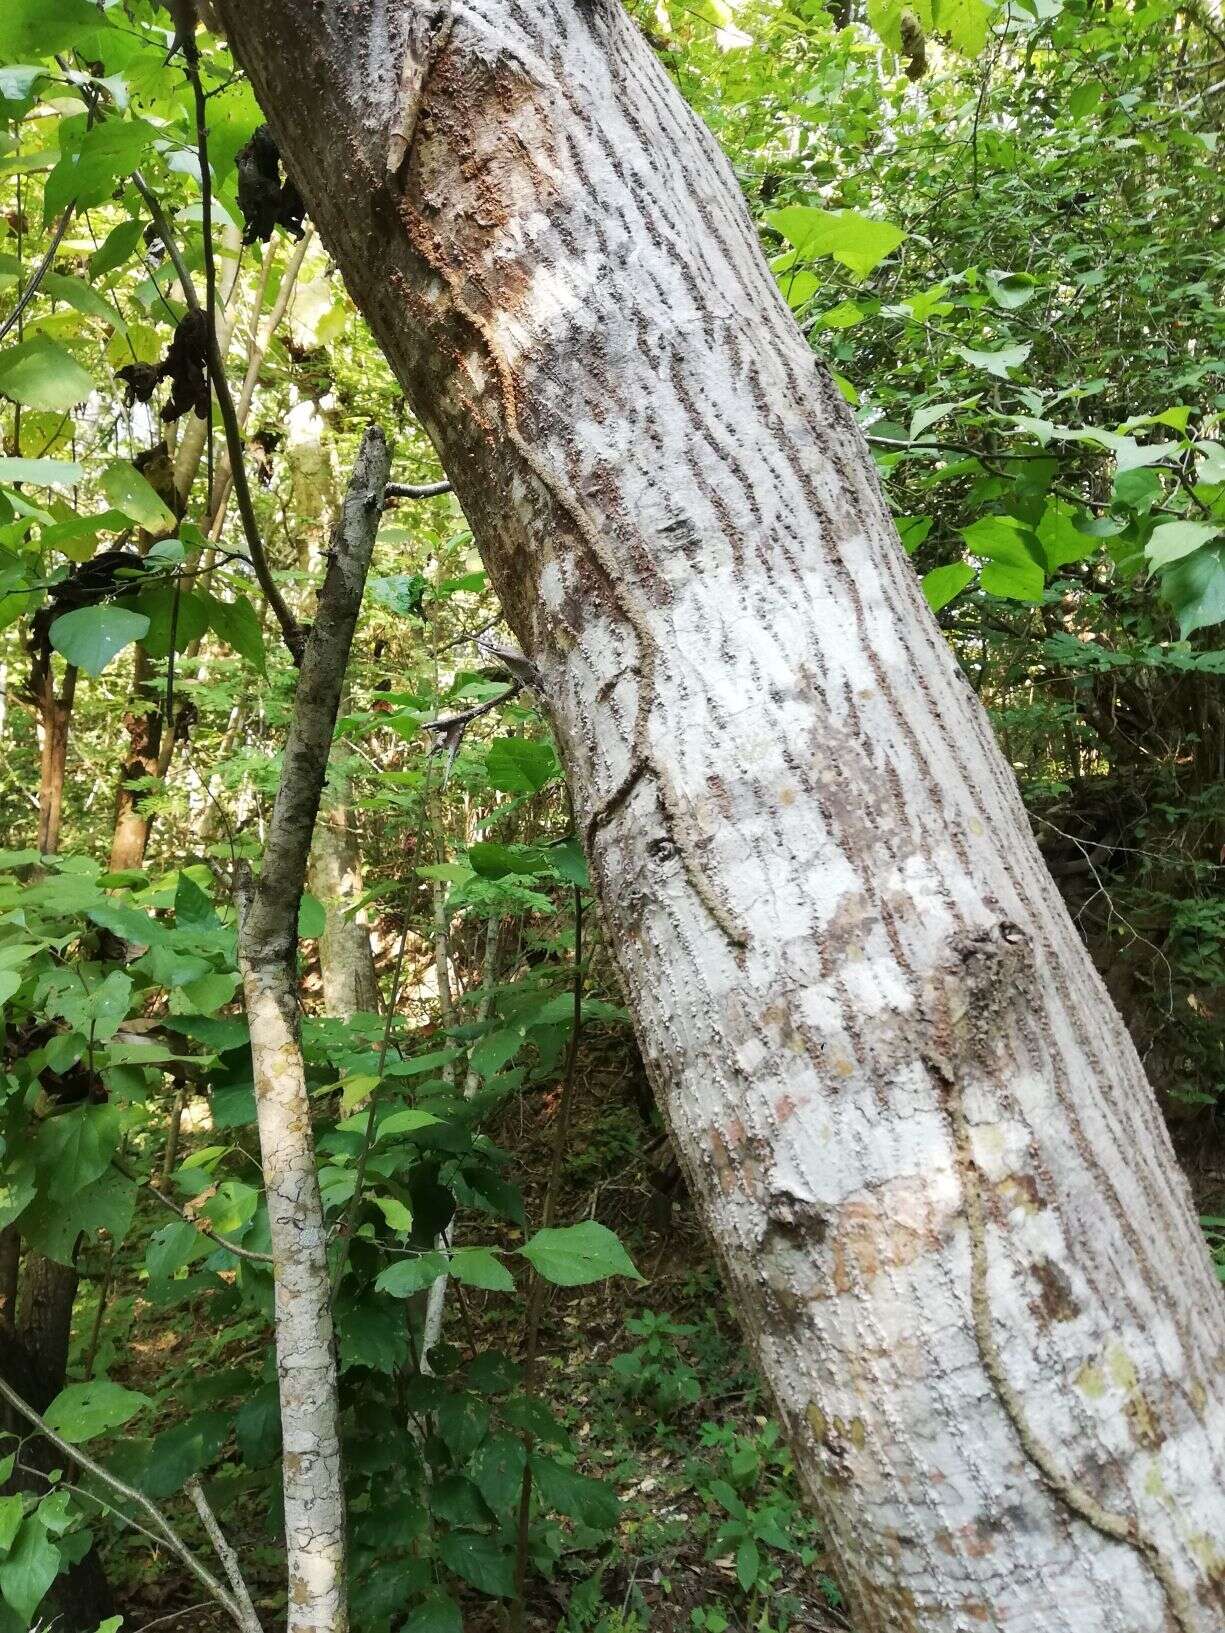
(429, 29)
(990, 967)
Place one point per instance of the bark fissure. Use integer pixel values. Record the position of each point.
(989, 969)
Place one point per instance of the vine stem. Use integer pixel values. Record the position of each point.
(292, 632)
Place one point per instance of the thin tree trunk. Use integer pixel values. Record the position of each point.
(82, 1594)
(10, 1269)
(267, 952)
(55, 717)
(915, 1125)
(143, 723)
(346, 961)
(170, 1152)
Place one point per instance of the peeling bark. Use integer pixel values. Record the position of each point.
(267, 952)
(917, 1129)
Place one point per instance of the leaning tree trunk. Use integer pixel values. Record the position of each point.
(917, 1129)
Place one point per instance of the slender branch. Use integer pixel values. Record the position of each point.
(448, 723)
(417, 490)
(41, 270)
(225, 1554)
(201, 1225)
(130, 1494)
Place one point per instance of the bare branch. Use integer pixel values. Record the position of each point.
(130, 1494)
(225, 1554)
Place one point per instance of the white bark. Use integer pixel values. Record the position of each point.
(916, 1126)
(267, 948)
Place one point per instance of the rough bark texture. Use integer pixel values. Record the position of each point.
(267, 951)
(916, 1126)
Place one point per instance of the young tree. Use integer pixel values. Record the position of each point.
(917, 1128)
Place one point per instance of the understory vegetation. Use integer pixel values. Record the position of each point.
(1001, 228)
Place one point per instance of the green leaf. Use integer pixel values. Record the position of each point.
(923, 418)
(495, 1049)
(843, 316)
(91, 636)
(478, 1267)
(517, 766)
(116, 248)
(1084, 99)
(1195, 588)
(237, 624)
(173, 1246)
(1009, 549)
(129, 492)
(98, 1011)
(482, 1561)
(1011, 289)
(494, 861)
(82, 1411)
(567, 860)
(18, 79)
(38, 28)
(92, 159)
(997, 363)
(312, 917)
(748, 1563)
(462, 1422)
(207, 995)
(964, 22)
(31, 1567)
(11, 1511)
(943, 584)
(1061, 540)
(182, 611)
(42, 473)
(857, 241)
(409, 1276)
(398, 1217)
(79, 294)
(75, 1148)
(40, 374)
(498, 1469)
(566, 1492)
(885, 16)
(437, 1613)
(1174, 540)
(407, 1122)
(574, 1255)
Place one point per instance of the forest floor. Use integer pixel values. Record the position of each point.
(650, 1380)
